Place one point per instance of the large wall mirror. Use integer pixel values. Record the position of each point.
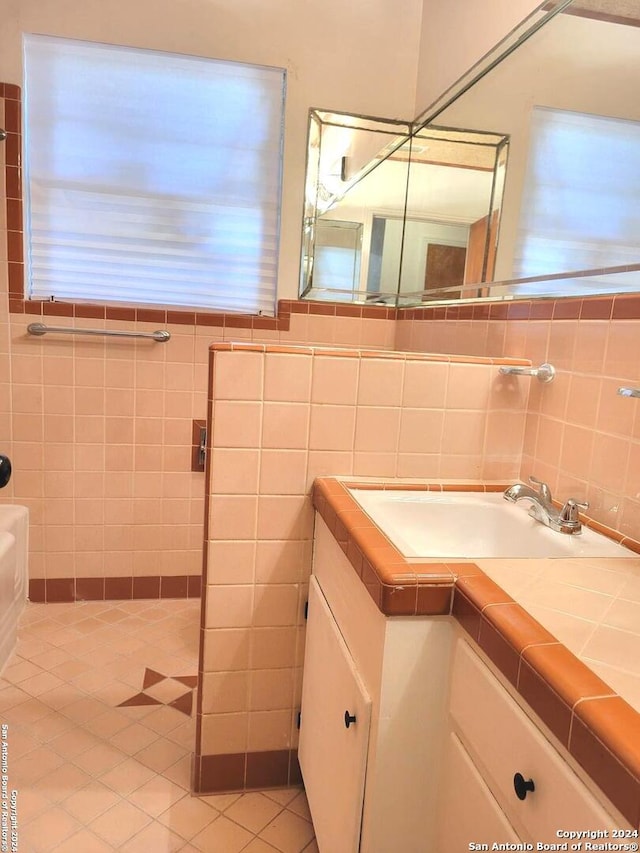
(524, 184)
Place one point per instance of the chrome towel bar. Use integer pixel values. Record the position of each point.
(161, 335)
(544, 373)
(629, 392)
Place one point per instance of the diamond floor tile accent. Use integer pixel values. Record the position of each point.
(159, 689)
(151, 678)
(139, 699)
(101, 736)
(183, 703)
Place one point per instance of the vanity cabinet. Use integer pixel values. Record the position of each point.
(491, 740)
(445, 740)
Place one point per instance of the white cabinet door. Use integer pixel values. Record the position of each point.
(332, 755)
(468, 811)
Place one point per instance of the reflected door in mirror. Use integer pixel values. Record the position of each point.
(445, 267)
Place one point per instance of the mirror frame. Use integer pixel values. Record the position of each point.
(397, 129)
(325, 189)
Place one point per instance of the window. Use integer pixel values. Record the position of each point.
(151, 178)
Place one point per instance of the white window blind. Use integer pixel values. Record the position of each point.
(152, 178)
(579, 206)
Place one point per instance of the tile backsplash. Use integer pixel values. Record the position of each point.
(580, 436)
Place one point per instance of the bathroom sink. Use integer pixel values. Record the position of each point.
(468, 525)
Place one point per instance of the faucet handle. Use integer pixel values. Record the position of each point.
(569, 511)
(543, 488)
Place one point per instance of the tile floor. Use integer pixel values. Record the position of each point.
(97, 700)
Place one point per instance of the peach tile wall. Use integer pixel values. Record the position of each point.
(584, 439)
(281, 419)
(102, 440)
(102, 451)
(581, 437)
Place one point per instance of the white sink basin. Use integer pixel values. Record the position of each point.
(468, 525)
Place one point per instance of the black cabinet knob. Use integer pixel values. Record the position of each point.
(349, 718)
(5, 471)
(522, 786)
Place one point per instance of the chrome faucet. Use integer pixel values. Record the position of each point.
(566, 520)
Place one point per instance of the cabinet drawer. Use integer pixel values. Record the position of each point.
(504, 741)
(468, 810)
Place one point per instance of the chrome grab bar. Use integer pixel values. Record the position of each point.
(161, 335)
(629, 392)
(544, 373)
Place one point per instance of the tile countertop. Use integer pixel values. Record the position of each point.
(564, 632)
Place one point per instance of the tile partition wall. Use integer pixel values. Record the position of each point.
(102, 430)
(296, 414)
(581, 437)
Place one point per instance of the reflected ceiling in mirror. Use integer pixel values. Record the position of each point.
(563, 217)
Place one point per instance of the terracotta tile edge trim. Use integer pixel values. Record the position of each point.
(196, 316)
(140, 313)
(424, 486)
(514, 641)
(605, 733)
(245, 771)
(59, 590)
(398, 587)
(619, 307)
(567, 676)
(597, 307)
(517, 651)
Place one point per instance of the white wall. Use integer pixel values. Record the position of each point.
(358, 57)
(456, 34)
